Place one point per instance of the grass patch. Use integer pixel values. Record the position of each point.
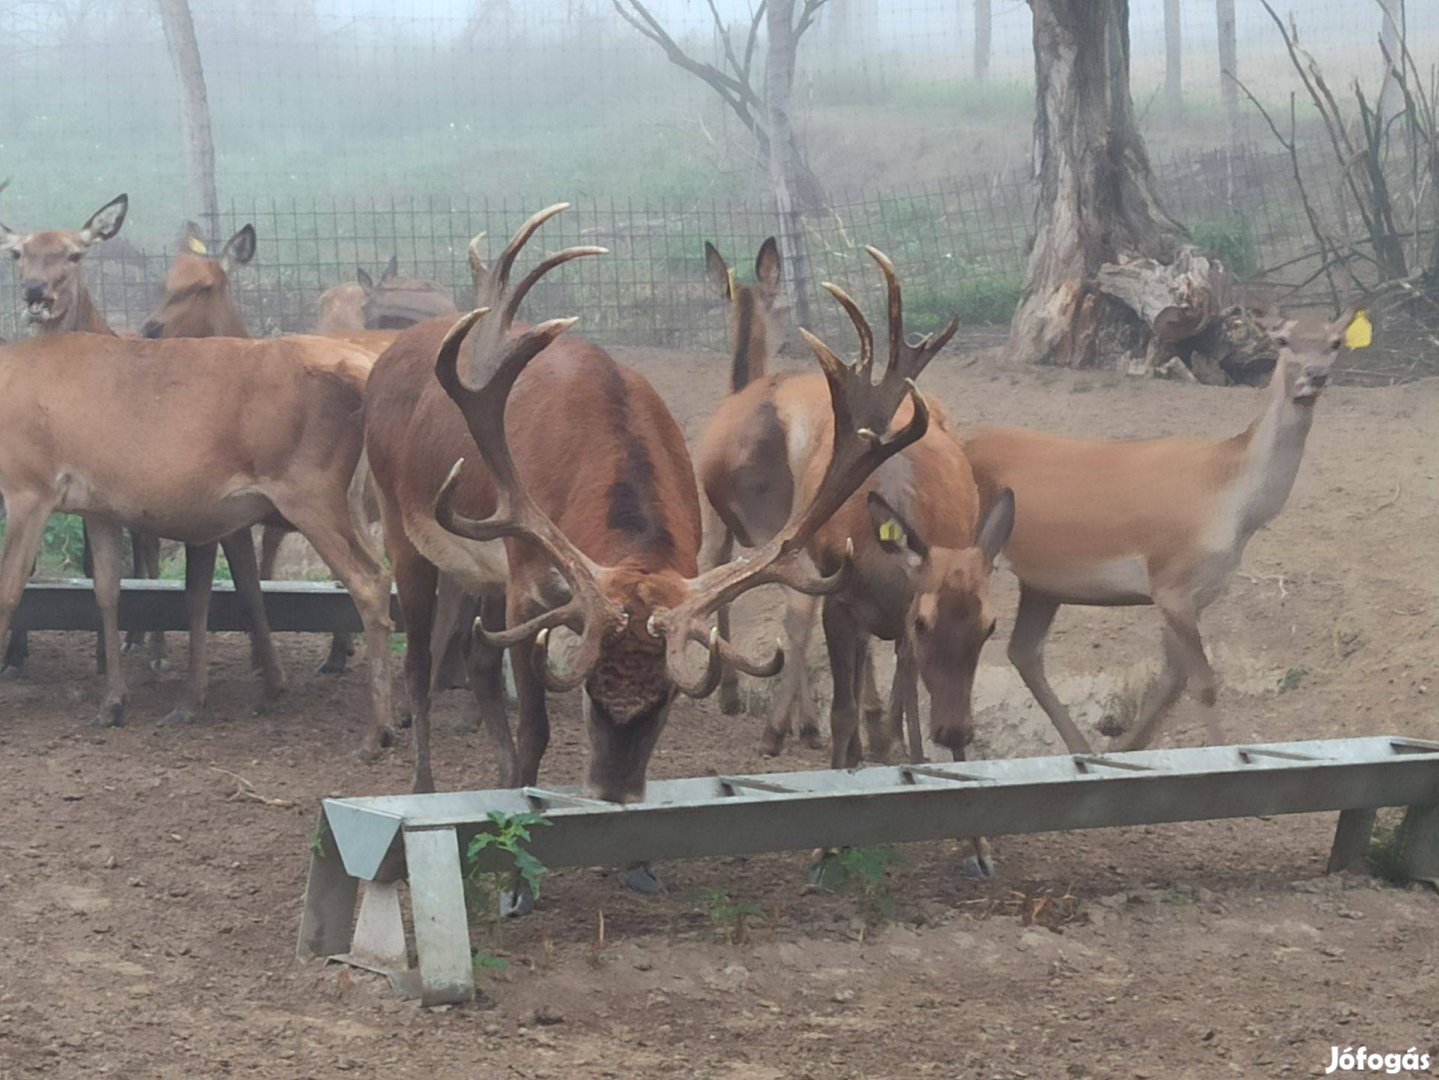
(1232, 239)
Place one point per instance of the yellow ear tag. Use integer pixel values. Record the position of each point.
(1360, 331)
(197, 246)
(890, 532)
(731, 284)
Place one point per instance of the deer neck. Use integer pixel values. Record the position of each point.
(83, 316)
(1273, 447)
(751, 342)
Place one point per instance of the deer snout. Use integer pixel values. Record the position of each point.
(33, 290)
(1318, 377)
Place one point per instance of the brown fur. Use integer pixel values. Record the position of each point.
(1161, 521)
(222, 434)
(620, 485)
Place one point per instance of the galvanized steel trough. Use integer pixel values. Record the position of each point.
(383, 840)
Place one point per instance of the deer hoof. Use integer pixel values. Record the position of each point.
(771, 743)
(641, 879)
(825, 875)
(331, 666)
(810, 737)
(516, 902)
(111, 714)
(979, 866)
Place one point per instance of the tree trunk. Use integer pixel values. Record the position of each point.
(785, 167)
(1096, 202)
(1228, 70)
(185, 53)
(1173, 60)
(983, 40)
(1391, 20)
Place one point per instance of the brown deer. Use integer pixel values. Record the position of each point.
(395, 303)
(922, 552)
(50, 269)
(222, 433)
(600, 519)
(1152, 521)
(750, 455)
(196, 303)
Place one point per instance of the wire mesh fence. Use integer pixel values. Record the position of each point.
(331, 115)
(960, 244)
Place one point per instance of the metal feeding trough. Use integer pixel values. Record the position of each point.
(318, 607)
(388, 839)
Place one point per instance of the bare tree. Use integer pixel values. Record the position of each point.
(1108, 277)
(765, 112)
(983, 39)
(1173, 60)
(185, 53)
(1228, 69)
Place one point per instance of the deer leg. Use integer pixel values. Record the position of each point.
(271, 537)
(17, 651)
(450, 639)
(145, 550)
(904, 702)
(1161, 693)
(872, 710)
(416, 579)
(981, 862)
(487, 682)
(1026, 652)
(25, 532)
(794, 694)
(323, 517)
(199, 581)
(106, 540)
(846, 644)
(533, 736)
(240, 554)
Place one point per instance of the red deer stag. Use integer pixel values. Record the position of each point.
(223, 434)
(750, 455)
(1153, 521)
(50, 269)
(600, 518)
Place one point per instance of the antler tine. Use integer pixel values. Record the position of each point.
(861, 324)
(581, 663)
(896, 303)
(495, 362)
(501, 276)
(512, 304)
(760, 669)
(709, 679)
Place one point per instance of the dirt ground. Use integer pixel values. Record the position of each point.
(148, 913)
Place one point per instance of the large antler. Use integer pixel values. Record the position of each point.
(492, 361)
(863, 411)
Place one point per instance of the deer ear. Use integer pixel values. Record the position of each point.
(9, 239)
(392, 270)
(190, 241)
(105, 222)
(768, 267)
(996, 525)
(240, 248)
(366, 282)
(719, 272)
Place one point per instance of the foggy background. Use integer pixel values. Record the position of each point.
(350, 130)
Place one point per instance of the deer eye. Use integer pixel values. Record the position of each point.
(75, 256)
(1281, 340)
(1335, 343)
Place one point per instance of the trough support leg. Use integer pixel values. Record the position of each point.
(379, 942)
(1351, 842)
(329, 907)
(1420, 829)
(437, 899)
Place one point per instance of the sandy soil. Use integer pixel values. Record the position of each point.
(148, 912)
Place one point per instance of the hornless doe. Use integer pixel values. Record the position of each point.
(922, 552)
(196, 303)
(1154, 521)
(49, 266)
(586, 477)
(750, 455)
(221, 433)
(395, 303)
